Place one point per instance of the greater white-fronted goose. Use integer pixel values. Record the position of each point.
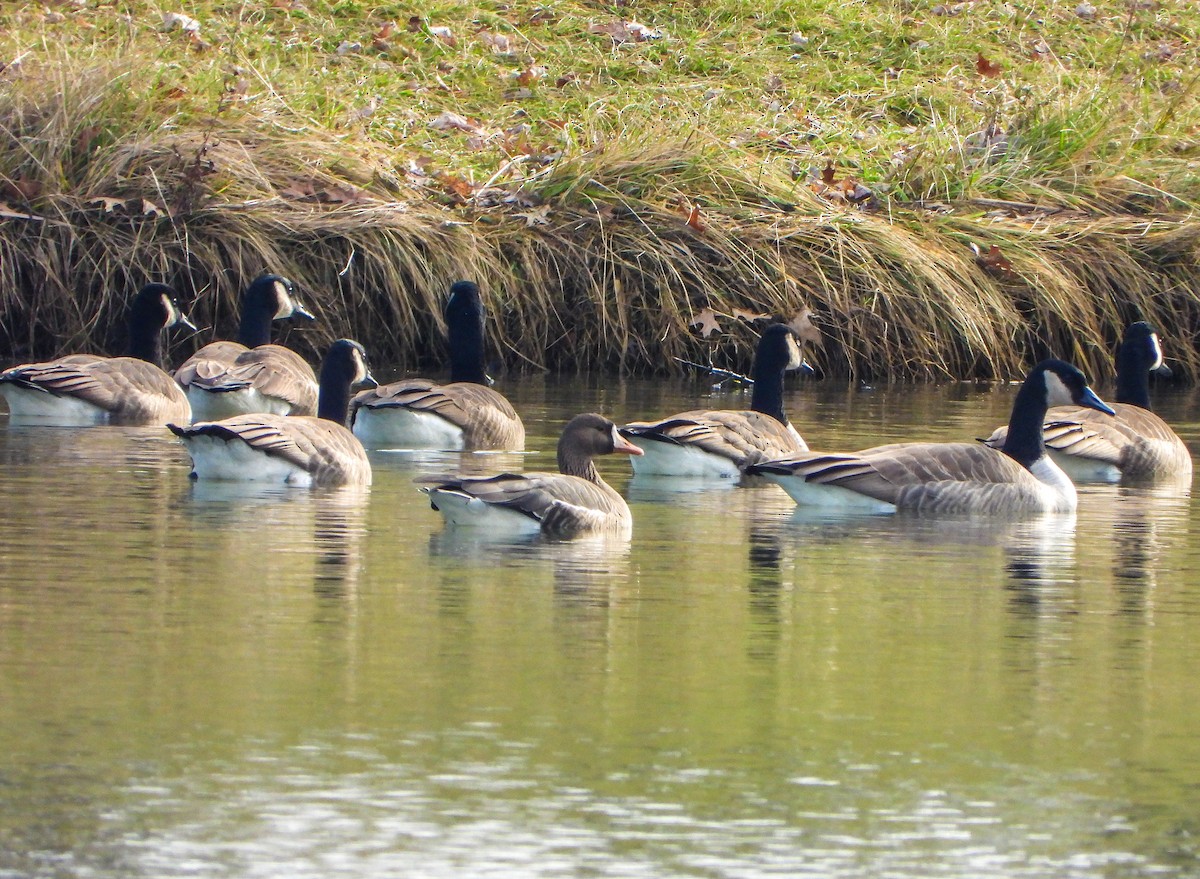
(86, 389)
(290, 449)
(226, 378)
(722, 443)
(464, 414)
(1136, 445)
(950, 478)
(573, 501)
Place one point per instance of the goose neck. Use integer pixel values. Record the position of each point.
(1024, 443)
(1133, 378)
(767, 397)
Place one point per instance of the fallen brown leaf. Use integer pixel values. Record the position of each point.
(706, 320)
(985, 67)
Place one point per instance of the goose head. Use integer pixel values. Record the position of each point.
(344, 367)
(1050, 383)
(779, 351)
(157, 305)
(155, 308)
(586, 437)
(1065, 385)
(268, 298)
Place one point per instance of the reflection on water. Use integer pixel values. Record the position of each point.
(212, 679)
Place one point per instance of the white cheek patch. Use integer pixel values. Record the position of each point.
(795, 358)
(1156, 347)
(285, 302)
(1057, 392)
(172, 312)
(360, 369)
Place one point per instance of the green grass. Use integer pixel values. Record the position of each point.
(270, 141)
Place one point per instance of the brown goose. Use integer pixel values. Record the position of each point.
(723, 443)
(226, 378)
(291, 449)
(949, 478)
(89, 389)
(573, 501)
(465, 414)
(1137, 445)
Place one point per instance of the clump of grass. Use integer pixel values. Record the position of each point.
(606, 193)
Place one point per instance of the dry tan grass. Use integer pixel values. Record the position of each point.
(587, 263)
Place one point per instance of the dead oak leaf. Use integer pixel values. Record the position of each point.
(449, 121)
(994, 262)
(707, 323)
(694, 220)
(749, 317)
(539, 216)
(802, 323)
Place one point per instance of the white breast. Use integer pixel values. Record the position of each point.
(67, 411)
(217, 405)
(396, 428)
(669, 459)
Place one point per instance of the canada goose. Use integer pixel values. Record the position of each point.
(949, 478)
(292, 449)
(572, 501)
(724, 442)
(465, 414)
(225, 378)
(1137, 444)
(89, 389)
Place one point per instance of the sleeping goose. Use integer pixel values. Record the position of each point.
(89, 389)
(1137, 444)
(225, 378)
(290, 449)
(723, 443)
(573, 501)
(949, 478)
(465, 414)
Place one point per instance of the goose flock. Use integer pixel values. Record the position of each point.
(254, 410)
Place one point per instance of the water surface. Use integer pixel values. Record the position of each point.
(218, 681)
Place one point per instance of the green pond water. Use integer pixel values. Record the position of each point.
(216, 681)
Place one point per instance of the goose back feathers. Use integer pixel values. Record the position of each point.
(949, 478)
(464, 414)
(295, 449)
(573, 501)
(723, 443)
(226, 378)
(90, 389)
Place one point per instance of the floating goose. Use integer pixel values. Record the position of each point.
(573, 501)
(1137, 444)
(225, 378)
(949, 478)
(88, 389)
(465, 414)
(291, 449)
(723, 443)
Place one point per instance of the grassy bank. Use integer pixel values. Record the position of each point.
(947, 189)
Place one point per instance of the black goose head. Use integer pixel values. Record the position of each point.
(345, 366)
(1050, 383)
(154, 308)
(464, 314)
(1139, 355)
(268, 298)
(586, 437)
